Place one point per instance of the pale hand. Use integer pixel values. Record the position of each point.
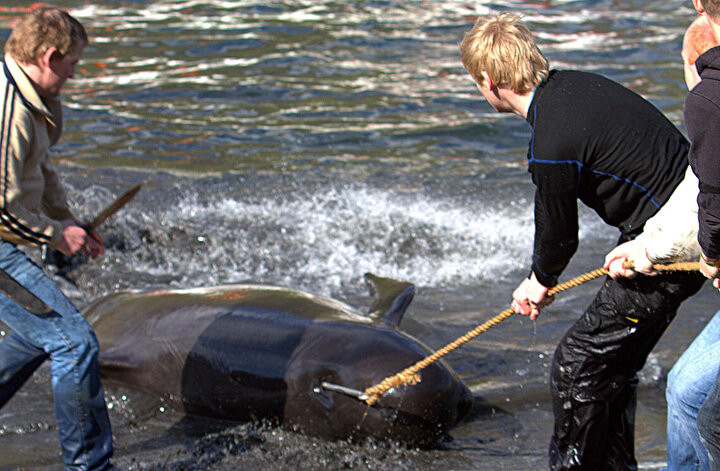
(530, 297)
(632, 252)
(75, 239)
(711, 273)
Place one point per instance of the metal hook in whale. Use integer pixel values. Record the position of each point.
(342, 390)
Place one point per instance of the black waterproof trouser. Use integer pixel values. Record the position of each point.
(593, 378)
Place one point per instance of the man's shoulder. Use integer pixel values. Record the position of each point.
(569, 85)
(6, 81)
(8, 85)
(565, 91)
(708, 66)
(14, 110)
(703, 100)
(577, 75)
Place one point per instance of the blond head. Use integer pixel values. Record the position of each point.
(42, 29)
(503, 47)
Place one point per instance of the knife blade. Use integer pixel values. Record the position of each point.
(113, 207)
(10, 287)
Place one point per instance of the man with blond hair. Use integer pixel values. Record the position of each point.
(595, 141)
(40, 55)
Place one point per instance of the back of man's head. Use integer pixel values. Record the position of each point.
(42, 29)
(503, 47)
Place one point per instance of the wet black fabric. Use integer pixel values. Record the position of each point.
(593, 379)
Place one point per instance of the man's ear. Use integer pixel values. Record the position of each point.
(487, 83)
(50, 54)
(699, 6)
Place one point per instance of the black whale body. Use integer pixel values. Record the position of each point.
(247, 352)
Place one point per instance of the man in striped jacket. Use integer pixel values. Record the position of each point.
(40, 55)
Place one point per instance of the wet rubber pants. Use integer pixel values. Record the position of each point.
(593, 378)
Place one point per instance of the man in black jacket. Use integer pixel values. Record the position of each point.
(595, 141)
(702, 121)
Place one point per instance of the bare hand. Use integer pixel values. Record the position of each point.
(530, 297)
(710, 272)
(76, 239)
(94, 245)
(633, 252)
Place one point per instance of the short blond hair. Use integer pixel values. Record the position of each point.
(42, 29)
(503, 47)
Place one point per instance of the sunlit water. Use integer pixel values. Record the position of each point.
(305, 143)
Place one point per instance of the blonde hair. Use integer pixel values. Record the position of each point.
(503, 47)
(42, 29)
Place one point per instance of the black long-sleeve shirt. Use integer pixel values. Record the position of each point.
(599, 142)
(702, 121)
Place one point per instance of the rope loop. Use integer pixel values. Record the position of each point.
(411, 374)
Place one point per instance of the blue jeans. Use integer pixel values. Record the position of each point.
(709, 424)
(68, 340)
(689, 382)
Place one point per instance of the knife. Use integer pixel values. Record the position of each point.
(113, 207)
(22, 296)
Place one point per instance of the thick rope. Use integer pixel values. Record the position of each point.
(410, 374)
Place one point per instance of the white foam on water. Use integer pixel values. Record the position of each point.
(339, 235)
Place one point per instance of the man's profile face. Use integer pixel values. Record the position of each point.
(56, 71)
(493, 97)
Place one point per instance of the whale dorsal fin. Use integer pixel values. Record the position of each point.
(392, 298)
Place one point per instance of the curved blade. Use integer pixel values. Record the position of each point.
(114, 206)
(11, 288)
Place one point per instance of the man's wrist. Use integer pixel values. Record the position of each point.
(715, 263)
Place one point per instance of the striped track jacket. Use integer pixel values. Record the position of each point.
(32, 200)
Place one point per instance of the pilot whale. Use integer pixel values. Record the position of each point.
(252, 352)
